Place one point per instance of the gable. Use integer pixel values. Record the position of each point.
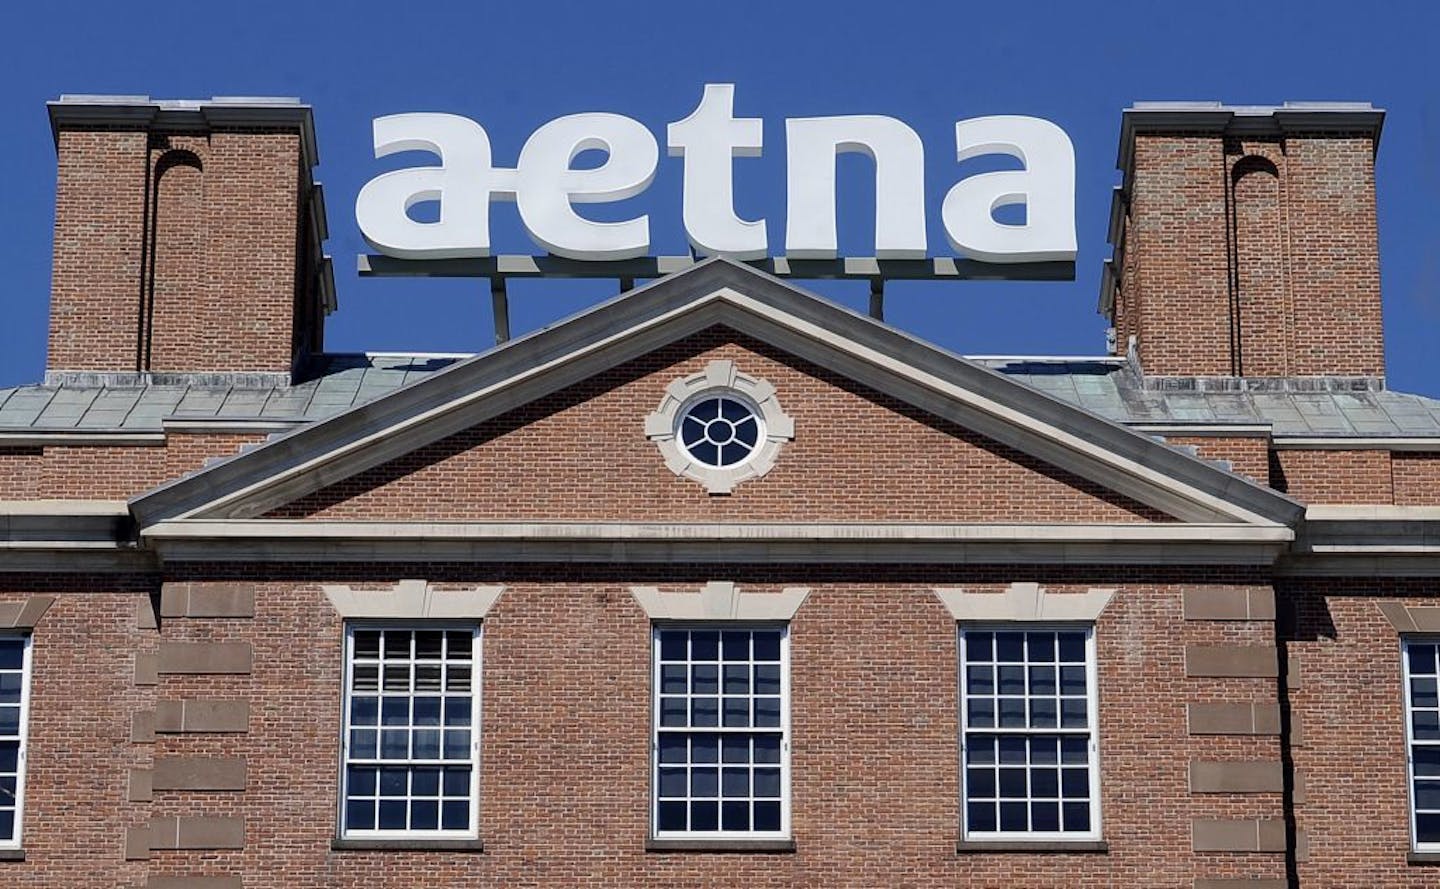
(581, 454)
(523, 373)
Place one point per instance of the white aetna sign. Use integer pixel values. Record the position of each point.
(545, 187)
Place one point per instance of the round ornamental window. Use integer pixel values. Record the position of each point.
(720, 431)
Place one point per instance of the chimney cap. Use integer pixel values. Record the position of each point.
(84, 110)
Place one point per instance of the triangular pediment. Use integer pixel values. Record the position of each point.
(963, 418)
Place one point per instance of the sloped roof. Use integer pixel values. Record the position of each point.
(338, 383)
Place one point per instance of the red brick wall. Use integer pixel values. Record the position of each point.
(1350, 706)
(1179, 304)
(1330, 194)
(565, 737)
(582, 455)
(1416, 476)
(222, 282)
(1248, 456)
(99, 228)
(1334, 477)
(108, 473)
(82, 696)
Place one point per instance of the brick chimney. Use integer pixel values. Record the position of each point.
(1245, 241)
(187, 237)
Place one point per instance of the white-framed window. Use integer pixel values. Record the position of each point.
(1422, 734)
(1029, 753)
(721, 747)
(410, 764)
(14, 723)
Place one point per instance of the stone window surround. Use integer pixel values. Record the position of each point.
(719, 377)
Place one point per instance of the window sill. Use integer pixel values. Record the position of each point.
(966, 847)
(416, 845)
(681, 844)
(12, 854)
(1423, 858)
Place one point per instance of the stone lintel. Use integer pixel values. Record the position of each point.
(720, 600)
(24, 615)
(413, 599)
(1411, 618)
(1025, 602)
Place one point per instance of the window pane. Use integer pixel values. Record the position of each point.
(705, 679)
(673, 645)
(980, 816)
(767, 816)
(367, 644)
(767, 645)
(671, 816)
(1010, 647)
(704, 645)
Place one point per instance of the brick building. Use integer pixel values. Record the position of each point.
(717, 583)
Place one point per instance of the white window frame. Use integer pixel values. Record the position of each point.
(23, 737)
(1092, 728)
(655, 730)
(476, 685)
(1410, 742)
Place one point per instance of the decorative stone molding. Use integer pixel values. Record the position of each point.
(1238, 835)
(1411, 618)
(413, 599)
(204, 599)
(1240, 776)
(205, 773)
(719, 377)
(233, 658)
(1027, 602)
(1225, 718)
(200, 716)
(1225, 661)
(719, 600)
(24, 615)
(1229, 604)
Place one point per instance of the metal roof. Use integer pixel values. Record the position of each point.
(1102, 386)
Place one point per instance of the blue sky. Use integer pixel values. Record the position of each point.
(514, 66)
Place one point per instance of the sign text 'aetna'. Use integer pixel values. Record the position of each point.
(545, 187)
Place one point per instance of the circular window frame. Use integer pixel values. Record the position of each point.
(720, 379)
(722, 394)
